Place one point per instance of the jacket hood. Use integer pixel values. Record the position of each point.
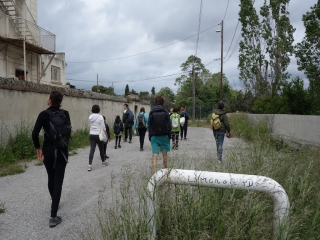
(93, 117)
(218, 111)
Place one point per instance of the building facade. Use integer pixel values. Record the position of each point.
(27, 51)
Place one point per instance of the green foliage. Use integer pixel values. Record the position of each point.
(153, 91)
(104, 90)
(144, 95)
(2, 208)
(126, 90)
(12, 170)
(271, 105)
(307, 53)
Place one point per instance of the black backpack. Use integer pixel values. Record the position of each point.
(159, 123)
(60, 128)
(116, 128)
(141, 121)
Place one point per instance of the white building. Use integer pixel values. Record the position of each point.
(27, 51)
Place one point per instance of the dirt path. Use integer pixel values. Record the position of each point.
(27, 200)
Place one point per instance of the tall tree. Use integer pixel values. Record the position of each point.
(277, 33)
(126, 90)
(153, 91)
(307, 53)
(251, 57)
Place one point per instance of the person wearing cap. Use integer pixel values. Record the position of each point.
(225, 128)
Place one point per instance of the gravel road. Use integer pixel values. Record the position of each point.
(27, 200)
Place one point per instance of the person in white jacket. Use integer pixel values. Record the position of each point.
(96, 123)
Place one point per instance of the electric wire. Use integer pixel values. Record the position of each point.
(138, 54)
(225, 13)
(133, 80)
(232, 40)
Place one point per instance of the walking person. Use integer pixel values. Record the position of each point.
(54, 153)
(108, 136)
(175, 123)
(184, 127)
(159, 132)
(127, 119)
(141, 124)
(220, 130)
(117, 130)
(96, 125)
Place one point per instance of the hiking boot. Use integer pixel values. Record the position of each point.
(104, 163)
(89, 168)
(119, 146)
(54, 221)
(115, 147)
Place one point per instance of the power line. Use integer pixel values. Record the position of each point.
(232, 39)
(225, 13)
(133, 80)
(138, 54)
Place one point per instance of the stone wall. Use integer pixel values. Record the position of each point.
(21, 100)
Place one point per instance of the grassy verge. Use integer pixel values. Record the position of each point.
(20, 149)
(187, 212)
(2, 208)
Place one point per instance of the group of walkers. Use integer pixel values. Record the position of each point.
(162, 126)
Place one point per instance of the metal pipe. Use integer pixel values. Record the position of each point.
(218, 180)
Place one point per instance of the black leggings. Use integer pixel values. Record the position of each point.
(142, 133)
(183, 130)
(118, 140)
(55, 175)
(94, 140)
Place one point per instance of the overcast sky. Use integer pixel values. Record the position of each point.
(93, 34)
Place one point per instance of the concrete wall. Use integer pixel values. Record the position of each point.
(25, 100)
(302, 129)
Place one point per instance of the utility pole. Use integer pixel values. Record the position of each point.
(221, 72)
(97, 82)
(193, 93)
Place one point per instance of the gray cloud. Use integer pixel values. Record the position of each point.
(98, 30)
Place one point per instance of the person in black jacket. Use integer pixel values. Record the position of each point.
(184, 127)
(109, 137)
(55, 165)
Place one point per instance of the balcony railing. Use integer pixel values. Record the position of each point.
(17, 28)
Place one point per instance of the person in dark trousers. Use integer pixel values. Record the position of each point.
(96, 125)
(159, 132)
(127, 124)
(109, 137)
(184, 127)
(225, 127)
(141, 126)
(117, 130)
(55, 166)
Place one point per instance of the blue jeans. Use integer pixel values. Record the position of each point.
(219, 137)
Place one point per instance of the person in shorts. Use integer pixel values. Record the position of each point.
(159, 132)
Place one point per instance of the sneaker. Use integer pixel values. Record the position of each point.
(141, 149)
(104, 163)
(125, 140)
(106, 156)
(54, 221)
(89, 168)
(181, 139)
(119, 146)
(185, 138)
(129, 141)
(115, 147)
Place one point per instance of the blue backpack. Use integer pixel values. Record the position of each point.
(130, 116)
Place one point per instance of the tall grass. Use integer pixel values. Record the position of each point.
(186, 212)
(19, 147)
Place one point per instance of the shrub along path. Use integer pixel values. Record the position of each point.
(27, 200)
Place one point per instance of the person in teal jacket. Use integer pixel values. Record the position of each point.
(141, 125)
(175, 123)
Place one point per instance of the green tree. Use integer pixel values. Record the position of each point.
(251, 57)
(126, 91)
(277, 33)
(104, 90)
(144, 95)
(307, 53)
(168, 95)
(153, 91)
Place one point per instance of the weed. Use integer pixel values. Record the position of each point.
(2, 208)
(12, 170)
